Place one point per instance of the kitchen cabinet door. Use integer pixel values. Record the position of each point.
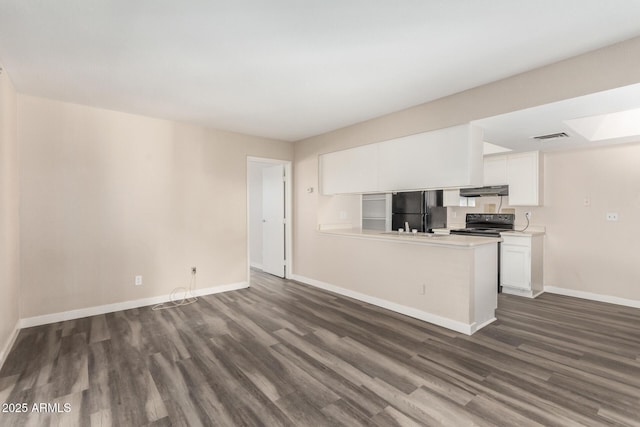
(524, 176)
(521, 269)
(350, 171)
(495, 170)
(444, 158)
(516, 267)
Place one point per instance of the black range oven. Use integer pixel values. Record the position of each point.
(487, 225)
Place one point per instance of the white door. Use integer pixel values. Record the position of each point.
(273, 258)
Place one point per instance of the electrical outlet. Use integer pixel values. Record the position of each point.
(138, 280)
(586, 202)
(527, 215)
(193, 270)
(612, 216)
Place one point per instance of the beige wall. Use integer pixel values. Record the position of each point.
(9, 219)
(106, 196)
(569, 261)
(583, 251)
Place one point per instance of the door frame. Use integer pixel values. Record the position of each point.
(288, 227)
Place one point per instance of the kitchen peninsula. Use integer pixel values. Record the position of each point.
(446, 280)
(450, 281)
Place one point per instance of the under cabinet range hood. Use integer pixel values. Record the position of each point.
(493, 190)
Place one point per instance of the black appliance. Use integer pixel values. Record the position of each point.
(488, 225)
(423, 210)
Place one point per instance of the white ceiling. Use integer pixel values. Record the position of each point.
(289, 69)
(515, 130)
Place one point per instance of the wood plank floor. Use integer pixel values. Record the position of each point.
(282, 353)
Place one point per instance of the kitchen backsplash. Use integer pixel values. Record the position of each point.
(456, 215)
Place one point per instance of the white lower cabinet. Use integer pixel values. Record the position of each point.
(521, 264)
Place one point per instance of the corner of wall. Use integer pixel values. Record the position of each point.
(9, 217)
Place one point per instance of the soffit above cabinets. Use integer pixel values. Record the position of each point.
(602, 118)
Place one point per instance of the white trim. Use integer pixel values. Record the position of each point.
(126, 305)
(454, 325)
(526, 293)
(593, 297)
(4, 352)
(256, 265)
(476, 327)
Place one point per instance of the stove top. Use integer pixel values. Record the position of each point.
(486, 224)
(490, 232)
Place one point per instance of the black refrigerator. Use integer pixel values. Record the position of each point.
(423, 210)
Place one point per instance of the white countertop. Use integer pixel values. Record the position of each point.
(419, 238)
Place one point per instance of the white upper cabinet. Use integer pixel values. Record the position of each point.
(350, 171)
(445, 158)
(522, 172)
(524, 176)
(495, 170)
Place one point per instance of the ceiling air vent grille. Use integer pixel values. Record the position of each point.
(551, 136)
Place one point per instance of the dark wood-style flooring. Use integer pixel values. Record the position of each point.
(282, 353)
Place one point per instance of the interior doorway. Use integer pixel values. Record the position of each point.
(269, 215)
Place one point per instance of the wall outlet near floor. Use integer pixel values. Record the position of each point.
(612, 216)
(193, 270)
(138, 280)
(527, 215)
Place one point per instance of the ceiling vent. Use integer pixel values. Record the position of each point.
(551, 136)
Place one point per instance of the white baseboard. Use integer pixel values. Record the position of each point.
(398, 308)
(594, 297)
(4, 351)
(126, 305)
(476, 327)
(521, 292)
(256, 265)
